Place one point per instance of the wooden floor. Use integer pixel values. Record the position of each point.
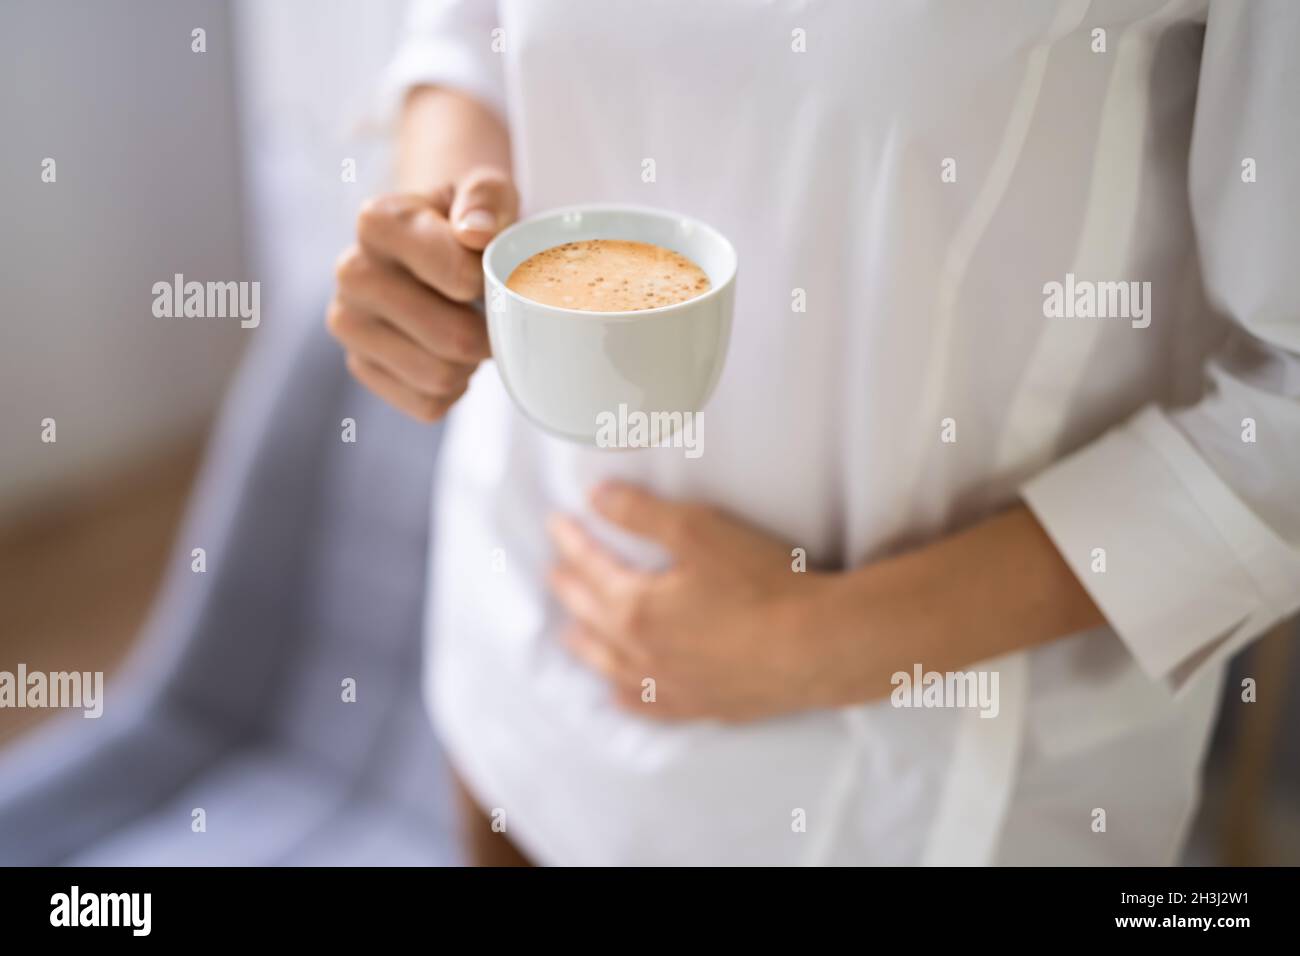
(76, 580)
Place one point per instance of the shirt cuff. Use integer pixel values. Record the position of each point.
(1187, 574)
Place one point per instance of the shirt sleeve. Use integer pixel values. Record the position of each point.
(1198, 509)
(449, 43)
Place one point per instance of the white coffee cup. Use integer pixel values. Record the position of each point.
(566, 368)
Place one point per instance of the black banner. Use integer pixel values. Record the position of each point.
(334, 906)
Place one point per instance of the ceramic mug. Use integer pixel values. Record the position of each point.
(566, 368)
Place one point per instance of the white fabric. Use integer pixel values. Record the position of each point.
(924, 302)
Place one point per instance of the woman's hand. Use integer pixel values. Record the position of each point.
(401, 307)
(731, 631)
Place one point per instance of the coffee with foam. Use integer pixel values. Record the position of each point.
(608, 275)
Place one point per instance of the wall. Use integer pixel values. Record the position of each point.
(145, 139)
(309, 80)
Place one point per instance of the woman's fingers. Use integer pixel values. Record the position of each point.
(420, 406)
(485, 202)
(399, 309)
(602, 655)
(456, 333)
(409, 231)
(632, 689)
(580, 599)
(608, 576)
(608, 620)
(376, 340)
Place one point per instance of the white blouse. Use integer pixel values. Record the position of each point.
(919, 175)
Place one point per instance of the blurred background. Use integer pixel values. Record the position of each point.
(226, 165)
(223, 165)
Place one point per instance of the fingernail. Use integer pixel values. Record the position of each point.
(476, 220)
